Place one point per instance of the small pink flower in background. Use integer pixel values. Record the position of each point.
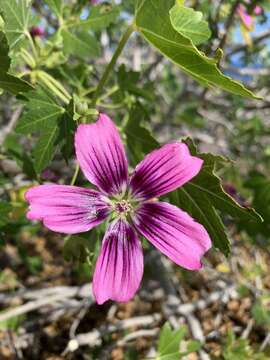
(258, 10)
(37, 31)
(246, 19)
(130, 202)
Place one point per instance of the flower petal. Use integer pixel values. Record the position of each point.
(173, 232)
(66, 209)
(119, 267)
(164, 170)
(101, 155)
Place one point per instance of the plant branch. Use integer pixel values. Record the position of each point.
(242, 47)
(112, 63)
(228, 24)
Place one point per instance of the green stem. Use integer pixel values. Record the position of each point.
(112, 63)
(110, 106)
(109, 92)
(105, 77)
(33, 46)
(28, 58)
(75, 175)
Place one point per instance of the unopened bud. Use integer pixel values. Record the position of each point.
(82, 108)
(37, 31)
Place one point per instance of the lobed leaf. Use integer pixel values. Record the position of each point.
(9, 82)
(153, 22)
(45, 148)
(100, 17)
(42, 115)
(189, 23)
(169, 342)
(204, 195)
(17, 17)
(80, 44)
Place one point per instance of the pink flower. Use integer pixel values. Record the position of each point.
(244, 16)
(37, 31)
(258, 10)
(247, 19)
(130, 202)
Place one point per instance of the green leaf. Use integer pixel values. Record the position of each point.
(17, 17)
(80, 44)
(204, 195)
(67, 127)
(235, 348)
(261, 314)
(45, 148)
(4, 50)
(56, 6)
(193, 345)
(5, 209)
(41, 116)
(9, 82)
(100, 17)
(210, 184)
(13, 84)
(41, 113)
(139, 139)
(172, 356)
(128, 81)
(34, 264)
(190, 23)
(153, 22)
(16, 151)
(196, 204)
(259, 184)
(11, 324)
(81, 248)
(169, 342)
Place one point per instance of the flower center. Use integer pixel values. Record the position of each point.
(122, 208)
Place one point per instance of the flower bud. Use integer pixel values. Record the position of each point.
(37, 31)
